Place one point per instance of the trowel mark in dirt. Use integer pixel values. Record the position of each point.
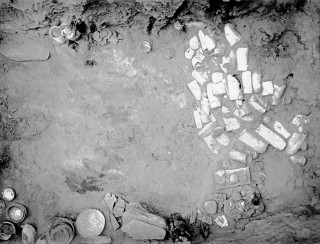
(82, 186)
(5, 158)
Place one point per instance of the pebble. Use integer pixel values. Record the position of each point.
(105, 33)
(113, 40)
(210, 206)
(298, 159)
(96, 35)
(287, 100)
(145, 47)
(177, 25)
(103, 41)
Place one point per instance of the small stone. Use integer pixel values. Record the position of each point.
(177, 25)
(210, 206)
(96, 35)
(221, 221)
(103, 41)
(114, 222)
(298, 159)
(287, 100)
(139, 230)
(113, 40)
(234, 178)
(105, 33)
(28, 234)
(145, 47)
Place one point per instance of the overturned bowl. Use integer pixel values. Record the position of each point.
(17, 213)
(8, 194)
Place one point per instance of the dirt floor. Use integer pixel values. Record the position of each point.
(94, 119)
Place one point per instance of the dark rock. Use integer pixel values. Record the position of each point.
(139, 230)
(178, 228)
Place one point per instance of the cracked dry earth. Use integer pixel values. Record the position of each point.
(92, 116)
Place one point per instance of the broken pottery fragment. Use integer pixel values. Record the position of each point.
(206, 130)
(232, 36)
(298, 159)
(205, 118)
(144, 46)
(210, 45)
(198, 58)
(257, 103)
(246, 82)
(281, 130)
(197, 119)
(244, 109)
(212, 118)
(28, 234)
(253, 142)
(194, 43)
(242, 58)
(212, 144)
(240, 156)
(300, 120)
(221, 221)
(295, 141)
(195, 89)
(136, 212)
(271, 137)
(218, 88)
(213, 100)
(201, 77)
(256, 82)
(202, 38)
(189, 53)
(205, 105)
(114, 222)
(267, 88)
(110, 200)
(217, 77)
(278, 92)
(234, 90)
(248, 118)
(231, 124)
(225, 110)
(223, 139)
(139, 230)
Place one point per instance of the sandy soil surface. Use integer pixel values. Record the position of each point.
(71, 132)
